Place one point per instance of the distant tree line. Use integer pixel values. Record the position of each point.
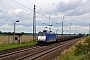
(6, 33)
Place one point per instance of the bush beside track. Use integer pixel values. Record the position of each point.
(80, 51)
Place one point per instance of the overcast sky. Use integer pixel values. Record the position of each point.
(76, 15)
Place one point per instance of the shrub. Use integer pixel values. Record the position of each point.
(87, 40)
(81, 49)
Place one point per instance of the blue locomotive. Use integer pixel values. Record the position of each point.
(46, 37)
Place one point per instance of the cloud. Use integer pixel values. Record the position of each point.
(65, 6)
(1, 0)
(10, 16)
(72, 8)
(74, 11)
(6, 26)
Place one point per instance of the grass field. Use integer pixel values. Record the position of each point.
(3, 39)
(25, 38)
(8, 46)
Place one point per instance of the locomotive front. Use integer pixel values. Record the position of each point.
(42, 37)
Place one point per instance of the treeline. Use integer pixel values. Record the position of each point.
(6, 33)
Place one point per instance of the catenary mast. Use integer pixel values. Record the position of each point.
(34, 25)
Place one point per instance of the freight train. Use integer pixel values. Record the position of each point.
(49, 36)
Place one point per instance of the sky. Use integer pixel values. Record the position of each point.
(75, 15)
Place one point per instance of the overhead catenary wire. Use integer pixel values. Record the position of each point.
(21, 5)
(7, 6)
(37, 6)
(12, 13)
(4, 11)
(9, 12)
(40, 8)
(27, 7)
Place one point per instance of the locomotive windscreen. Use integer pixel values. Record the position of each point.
(41, 33)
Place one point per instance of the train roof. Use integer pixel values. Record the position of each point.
(49, 32)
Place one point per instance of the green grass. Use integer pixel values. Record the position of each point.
(69, 55)
(9, 46)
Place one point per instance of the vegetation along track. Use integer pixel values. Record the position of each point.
(38, 52)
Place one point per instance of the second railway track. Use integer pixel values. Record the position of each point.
(36, 52)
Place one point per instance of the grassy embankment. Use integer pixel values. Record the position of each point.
(80, 51)
(8, 46)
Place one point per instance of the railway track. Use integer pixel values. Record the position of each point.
(9, 54)
(38, 54)
(35, 52)
(14, 54)
(15, 49)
